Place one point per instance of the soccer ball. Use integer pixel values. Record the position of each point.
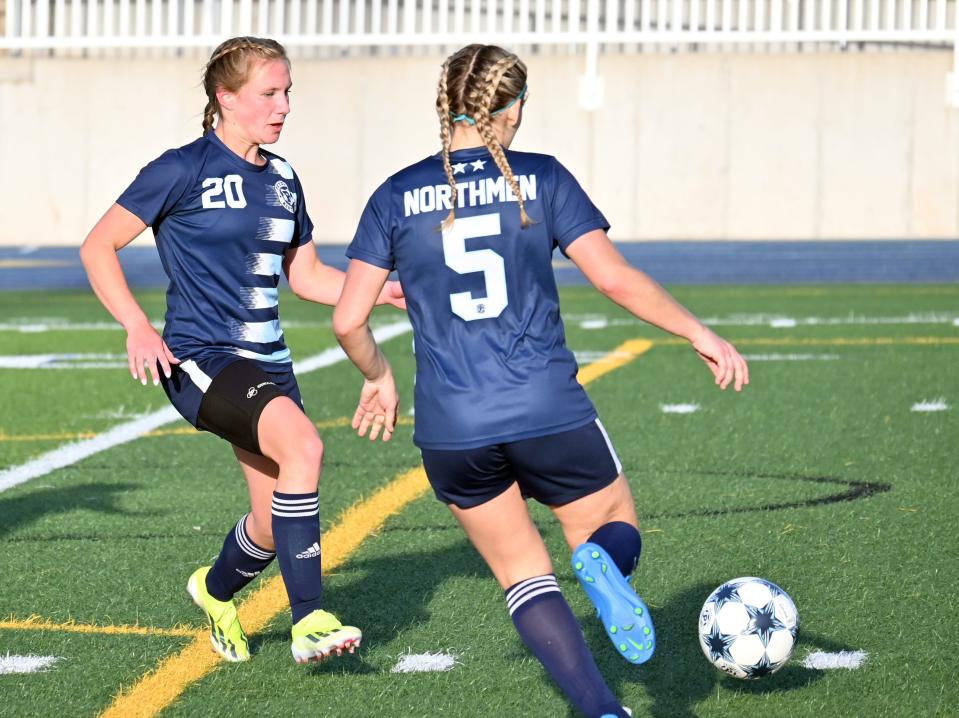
(748, 627)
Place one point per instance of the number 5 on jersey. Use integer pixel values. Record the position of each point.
(461, 261)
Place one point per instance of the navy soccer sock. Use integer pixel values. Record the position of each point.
(622, 542)
(239, 562)
(548, 628)
(296, 531)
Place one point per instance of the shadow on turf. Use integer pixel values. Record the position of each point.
(679, 677)
(21, 511)
(391, 593)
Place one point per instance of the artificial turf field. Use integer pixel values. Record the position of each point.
(819, 477)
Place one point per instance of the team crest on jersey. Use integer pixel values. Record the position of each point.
(284, 196)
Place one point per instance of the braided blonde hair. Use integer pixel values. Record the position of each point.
(230, 65)
(473, 82)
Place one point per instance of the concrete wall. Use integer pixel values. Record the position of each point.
(735, 146)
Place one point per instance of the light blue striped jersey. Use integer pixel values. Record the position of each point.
(222, 227)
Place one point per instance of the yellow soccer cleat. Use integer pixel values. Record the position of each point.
(320, 634)
(226, 633)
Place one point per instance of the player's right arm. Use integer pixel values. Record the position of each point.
(641, 295)
(145, 348)
(379, 402)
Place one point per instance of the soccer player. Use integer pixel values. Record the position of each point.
(499, 414)
(228, 216)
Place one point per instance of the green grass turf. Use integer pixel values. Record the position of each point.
(745, 486)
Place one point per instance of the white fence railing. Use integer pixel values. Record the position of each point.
(95, 27)
(91, 24)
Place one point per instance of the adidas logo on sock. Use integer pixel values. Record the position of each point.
(312, 552)
(248, 574)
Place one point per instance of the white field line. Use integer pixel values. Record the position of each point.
(25, 664)
(35, 325)
(52, 324)
(823, 661)
(679, 408)
(600, 321)
(61, 361)
(425, 662)
(71, 453)
(930, 405)
(585, 321)
(790, 357)
(588, 356)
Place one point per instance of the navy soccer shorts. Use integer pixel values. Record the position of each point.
(553, 469)
(226, 394)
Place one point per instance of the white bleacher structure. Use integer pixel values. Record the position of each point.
(317, 28)
(90, 25)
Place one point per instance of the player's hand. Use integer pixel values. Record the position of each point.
(377, 409)
(392, 294)
(722, 359)
(146, 351)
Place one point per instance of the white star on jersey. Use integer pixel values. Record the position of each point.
(478, 165)
(459, 168)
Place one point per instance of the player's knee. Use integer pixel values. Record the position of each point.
(302, 452)
(312, 452)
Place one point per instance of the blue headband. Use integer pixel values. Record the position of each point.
(470, 121)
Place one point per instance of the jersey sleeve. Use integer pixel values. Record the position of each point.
(572, 212)
(158, 187)
(373, 242)
(304, 225)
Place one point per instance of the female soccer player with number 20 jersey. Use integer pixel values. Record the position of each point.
(228, 217)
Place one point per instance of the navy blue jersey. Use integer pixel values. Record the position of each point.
(222, 227)
(491, 359)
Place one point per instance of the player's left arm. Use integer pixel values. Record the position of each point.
(314, 281)
(379, 402)
(641, 295)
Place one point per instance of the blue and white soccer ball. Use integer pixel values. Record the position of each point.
(748, 627)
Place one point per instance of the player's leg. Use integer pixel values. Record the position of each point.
(212, 395)
(604, 563)
(247, 550)
(606, 517)
(578, 474)
(260, 411)
(494, 516)
(287, 436)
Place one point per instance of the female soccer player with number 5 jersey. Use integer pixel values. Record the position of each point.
(499, 413)
(228, 216)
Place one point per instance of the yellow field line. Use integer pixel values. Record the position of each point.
(36, 623)
(63, 436)
(834, 341)
(623, 354)
(155, 691)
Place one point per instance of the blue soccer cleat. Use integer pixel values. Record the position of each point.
(623, 613)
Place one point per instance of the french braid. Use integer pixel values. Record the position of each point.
(473, 81)
(485, 127)
(446, 136)
(229, 67)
